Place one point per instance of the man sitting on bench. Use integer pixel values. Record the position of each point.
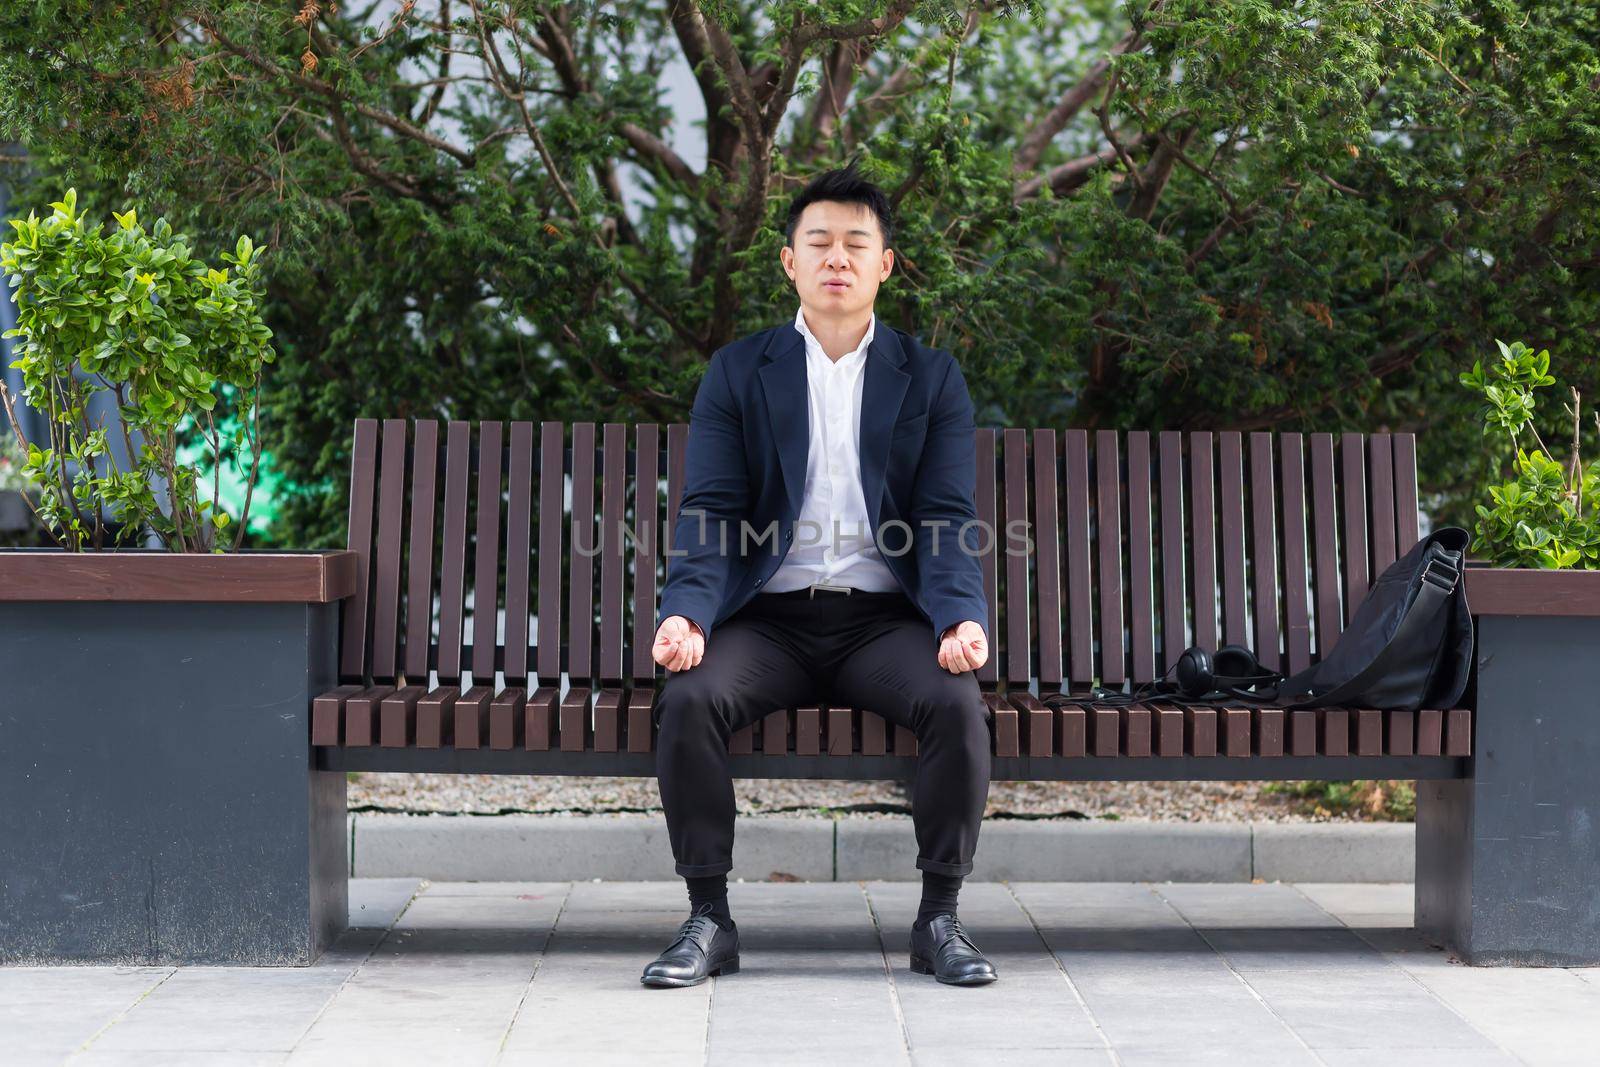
(827, 522)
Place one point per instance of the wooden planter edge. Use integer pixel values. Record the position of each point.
(314, 577)
(1531, 590)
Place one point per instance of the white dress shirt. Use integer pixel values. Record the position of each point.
(833, 497)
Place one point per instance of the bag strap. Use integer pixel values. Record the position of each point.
(1439, 579)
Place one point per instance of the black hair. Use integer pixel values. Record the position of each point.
(844, 185)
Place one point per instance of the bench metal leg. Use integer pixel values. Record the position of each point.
(1508, 861)
(158, 798)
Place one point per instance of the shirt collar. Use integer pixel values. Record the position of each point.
(814, 346)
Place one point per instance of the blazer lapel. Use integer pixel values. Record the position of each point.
(783, 381)
(881, 396)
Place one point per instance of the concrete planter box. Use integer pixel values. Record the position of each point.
(1508, 859)
(158, 801)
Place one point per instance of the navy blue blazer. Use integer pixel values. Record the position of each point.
(745, 472)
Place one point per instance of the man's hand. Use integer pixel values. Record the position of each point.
(679, 644)
(963, 647)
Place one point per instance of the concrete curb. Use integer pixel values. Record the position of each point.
(511, 848)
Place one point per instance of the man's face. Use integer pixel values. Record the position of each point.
(838, 260)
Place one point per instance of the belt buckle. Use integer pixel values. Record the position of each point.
(830, 587)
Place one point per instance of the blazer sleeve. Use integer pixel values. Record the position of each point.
(716, 494)
(943, 501)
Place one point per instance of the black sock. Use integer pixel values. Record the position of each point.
(939, 893)
(710, 889)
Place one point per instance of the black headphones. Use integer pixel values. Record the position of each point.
(1230, 669)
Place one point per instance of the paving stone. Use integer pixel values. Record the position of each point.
(378, 902)
(46, 1012)
(813, 979)
(1364, 905)
(446, 982)
(1333, 989)
(588, 983)
(1032, 995)
(1148, 979)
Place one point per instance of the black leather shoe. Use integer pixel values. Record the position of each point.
(700, 949)
(944, 950)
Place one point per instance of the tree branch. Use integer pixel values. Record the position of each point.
(1037, 139)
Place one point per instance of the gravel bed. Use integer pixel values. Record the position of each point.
(1146, 801)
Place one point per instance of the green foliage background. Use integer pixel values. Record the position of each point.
(1158, 214)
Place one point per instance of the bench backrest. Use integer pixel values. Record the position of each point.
(1141, 544)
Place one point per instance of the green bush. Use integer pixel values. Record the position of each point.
(1548, 515)
(179, 343)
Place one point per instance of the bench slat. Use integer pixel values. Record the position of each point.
(874, 734)
(613, 550)
(1269, 731)
(452, 580)
(1168, 729)
(327, 714)
(386, 568)
(1430, 732)
(1036, 724)
(1141, 574)
(1047, 558)
(1324, 522)
(577, 733)
(552, 467)
(397, 716)
(775, 733)
(1380, 455)
(641, 720)
(1108, 531)
(519, 547)
(1007, 727)
(1353, 490)
(419, 551)
(1404, 447)
(1202, 539)
(1136, 731)
(987, 510)
(360, 715)
(608, 719)
(542, 719)
(436, 718)
(471, 727)
(1264, 551)
(507, 714)
(743, 741)
(1174, 638)
(353, 617)
(580, 561)
(646, 534)
(841, 731)
(1230, 506)
(808, 731)
(1296, 590)
(1018, 606)
(1199, 729)
(1080, 619)
(487, 563)
(1400, 732)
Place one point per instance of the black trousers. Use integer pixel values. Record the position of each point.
(874, 651)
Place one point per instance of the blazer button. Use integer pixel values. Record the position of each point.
(788, 535)
(759, 581)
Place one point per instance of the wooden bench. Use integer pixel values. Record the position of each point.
(1141, 544)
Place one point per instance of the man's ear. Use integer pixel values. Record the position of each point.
(887, 266)
(786, 258)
